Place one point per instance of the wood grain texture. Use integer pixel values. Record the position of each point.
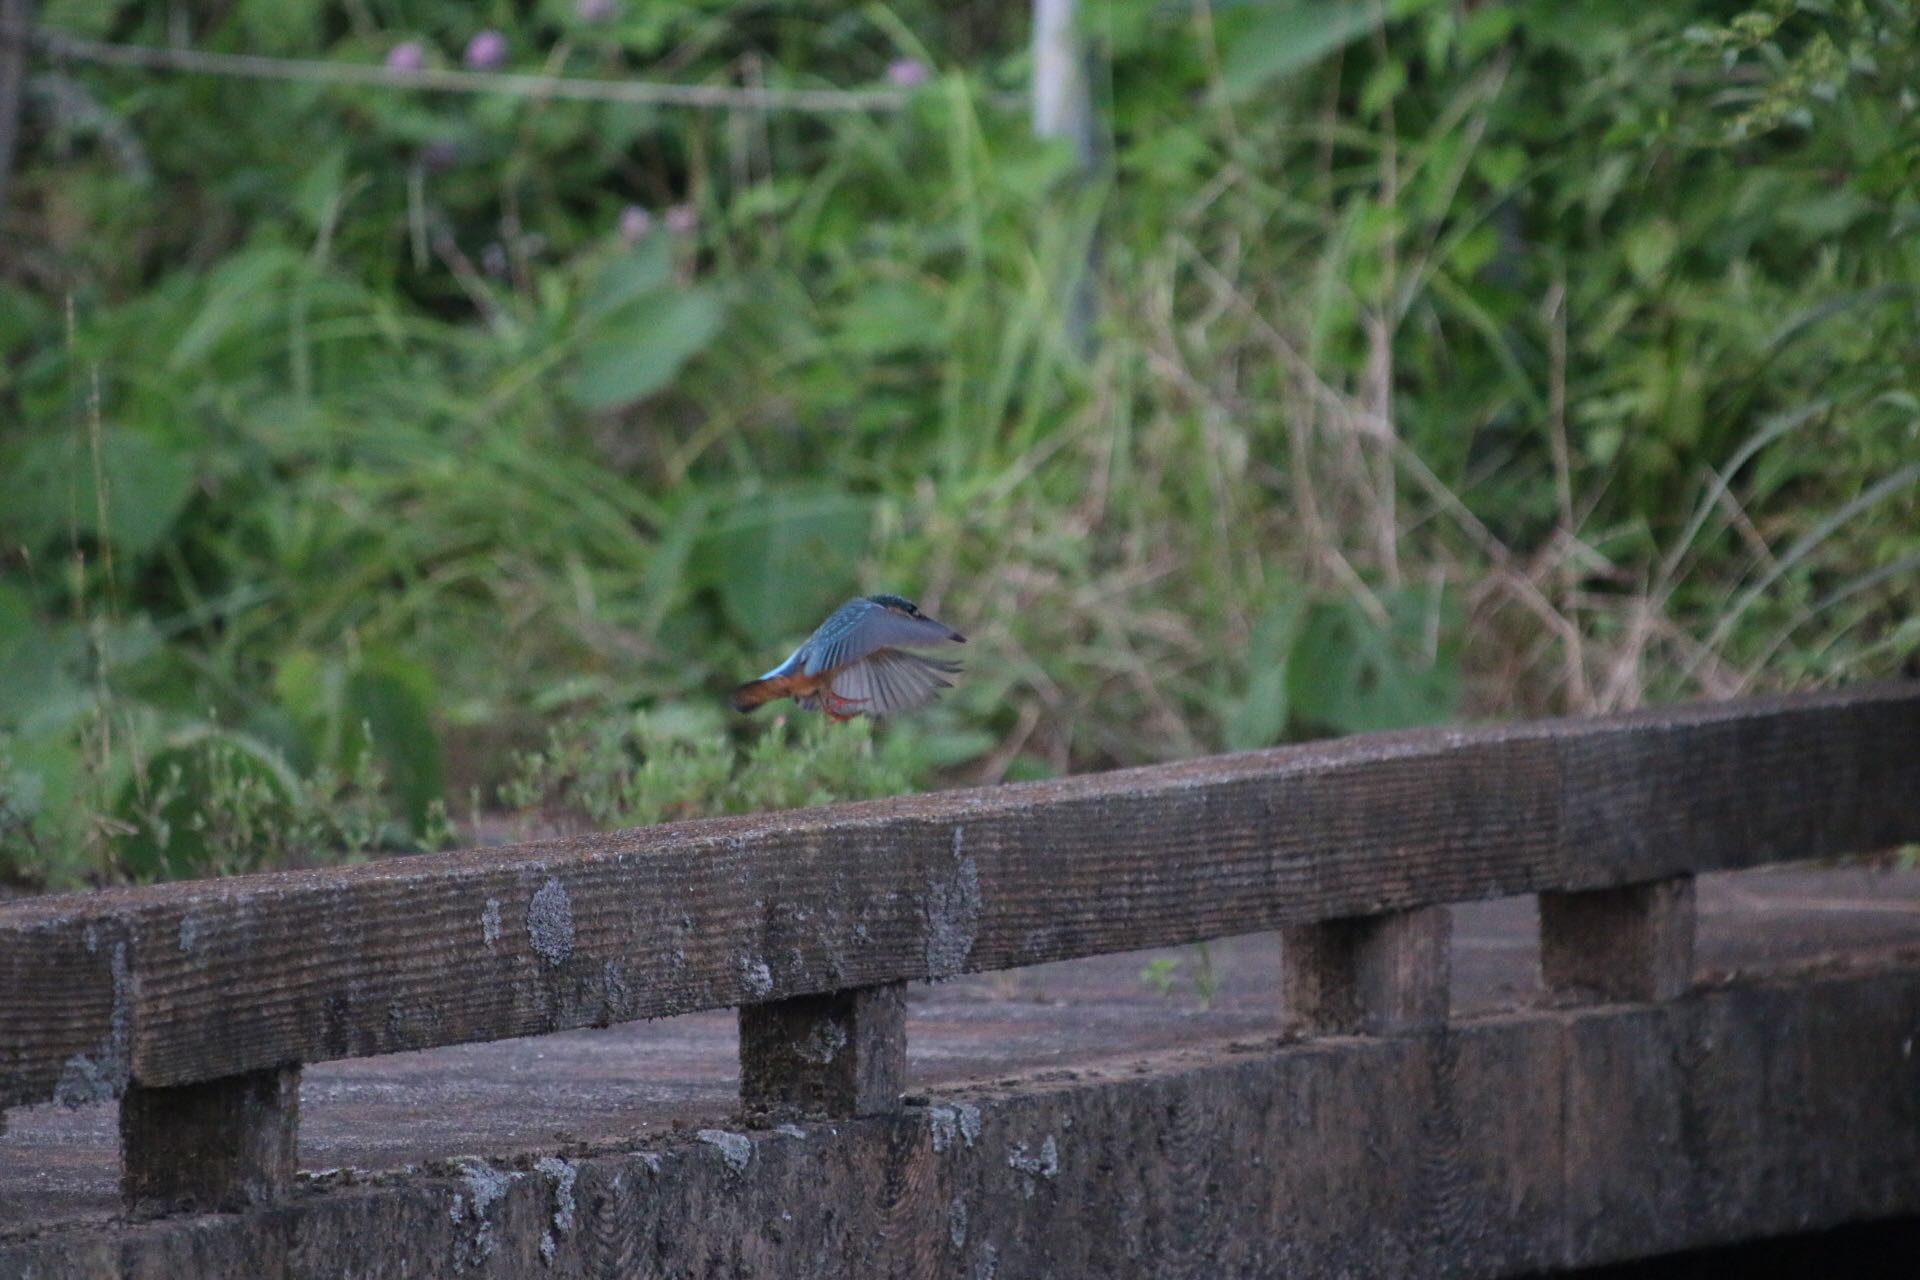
(218, 978)
(66, 1010)
(839, 1054)
(1367, 975)
(1634, 942)
(1503, 1146)
(216, 1147)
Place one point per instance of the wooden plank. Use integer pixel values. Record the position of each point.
(236, 975)
(66, 1011)
(839, 1054)
(215, 1147)
(1634, 942)
(1511, 1145)
(1368, 975)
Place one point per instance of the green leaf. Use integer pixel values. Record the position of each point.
(211, 802)
(241, 295)
(1649, 247)
(886, 318)
(33, 683)
(281, 26)
(320, 187)
(639, 350)
(307, 688)
(1810, 317)
(390, 699)
(301, 682)
(53, 492)
(1386, 83)
(664, 583)
(1353, 674)
(1288, 37)
(382, 702)
(645, 269)
(40, 815)
(1500, 167)
(782, 560)
(1259, 717)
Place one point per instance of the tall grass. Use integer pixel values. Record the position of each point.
(1503, 360)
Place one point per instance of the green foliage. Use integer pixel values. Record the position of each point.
(780, 561)
(636, 331)
(1279, 39)
(1351, 672)
(205, 801)
(217, 802)
(663, 767)
(375, 712)
(126, 491)
(1166, 975)
(1451, 360)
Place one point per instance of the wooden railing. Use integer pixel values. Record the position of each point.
(195, 1003)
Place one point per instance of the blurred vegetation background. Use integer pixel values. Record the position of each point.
(378, 463)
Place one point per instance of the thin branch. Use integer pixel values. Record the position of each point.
(61, 46)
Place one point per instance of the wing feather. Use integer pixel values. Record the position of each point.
(859, 628)
(889, 681)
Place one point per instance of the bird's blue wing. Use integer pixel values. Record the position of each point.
(889, 681)
(861, 627)
(832, 643)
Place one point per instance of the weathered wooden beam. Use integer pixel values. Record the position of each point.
(839, 1054)
(1368, 975)
(1634, 942)
(217, 978)
(215, 1147)
(68, 1040)
(1527, 1143)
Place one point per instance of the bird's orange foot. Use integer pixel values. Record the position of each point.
(836, 706)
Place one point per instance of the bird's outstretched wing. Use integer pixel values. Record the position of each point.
(888, 681)
(860, 628)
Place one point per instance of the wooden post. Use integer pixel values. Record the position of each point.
(1368, 975)
(216, 1147)
(1631, 943)
(1063, 109)
(840, 1054)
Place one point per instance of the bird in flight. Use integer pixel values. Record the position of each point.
(856, 662)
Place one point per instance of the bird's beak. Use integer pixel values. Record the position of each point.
(934, 624)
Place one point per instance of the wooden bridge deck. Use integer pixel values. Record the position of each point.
(327, 1073)
(651, 1085)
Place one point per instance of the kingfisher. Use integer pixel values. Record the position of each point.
(856, 662)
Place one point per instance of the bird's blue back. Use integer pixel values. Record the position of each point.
(833, 643)
(829, 642)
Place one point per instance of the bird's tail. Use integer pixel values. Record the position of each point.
(756, 693)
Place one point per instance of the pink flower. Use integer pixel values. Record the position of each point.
(439, 156)
(635, 223)
(907, 73)
(487, 51)
(682, 220)
(407, 56)
(596, 11)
